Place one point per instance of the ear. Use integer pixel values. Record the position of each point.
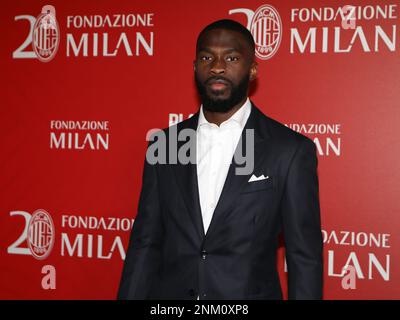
(253, 70)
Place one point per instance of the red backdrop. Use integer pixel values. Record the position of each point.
(73, 130)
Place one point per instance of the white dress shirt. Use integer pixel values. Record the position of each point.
(215, 148)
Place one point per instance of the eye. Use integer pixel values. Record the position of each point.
(232, 58)
(205, 58)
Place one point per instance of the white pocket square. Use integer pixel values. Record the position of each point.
(254, 178)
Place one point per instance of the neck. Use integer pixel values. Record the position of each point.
(220, 117)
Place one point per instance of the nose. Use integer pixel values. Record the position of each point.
(218, 67)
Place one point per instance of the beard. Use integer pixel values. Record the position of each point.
(216, 103)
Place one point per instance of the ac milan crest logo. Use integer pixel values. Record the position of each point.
(266, 28)
(46, 34)
(41, 234)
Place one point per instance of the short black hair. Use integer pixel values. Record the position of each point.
(227, 24)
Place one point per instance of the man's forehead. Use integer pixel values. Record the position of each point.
(222, 38)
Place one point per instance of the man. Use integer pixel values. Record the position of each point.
(203, 231)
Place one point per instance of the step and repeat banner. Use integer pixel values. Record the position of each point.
(82, 82)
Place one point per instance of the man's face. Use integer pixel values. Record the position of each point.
(224, 66)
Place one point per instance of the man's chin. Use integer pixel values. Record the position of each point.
(218, 105)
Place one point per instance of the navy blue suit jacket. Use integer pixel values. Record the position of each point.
(170, 257)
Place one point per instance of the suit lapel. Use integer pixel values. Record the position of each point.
(234, 183)
(186, 177)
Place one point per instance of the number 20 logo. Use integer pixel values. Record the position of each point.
(44, 36)
(38, 233)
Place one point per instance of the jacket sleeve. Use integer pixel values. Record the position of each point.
(143, 256)
(302, 225)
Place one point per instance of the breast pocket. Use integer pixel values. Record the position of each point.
(256, 186)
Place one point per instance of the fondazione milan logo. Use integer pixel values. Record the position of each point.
(266, 27)
(40, 234)
(46, 34)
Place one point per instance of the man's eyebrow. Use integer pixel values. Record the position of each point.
(228, 50)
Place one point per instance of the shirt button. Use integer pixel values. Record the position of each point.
(212, 205)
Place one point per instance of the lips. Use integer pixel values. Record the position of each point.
(217, 84)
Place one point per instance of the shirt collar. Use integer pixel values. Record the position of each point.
(240, 116)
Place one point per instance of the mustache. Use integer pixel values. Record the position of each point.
(217, 79)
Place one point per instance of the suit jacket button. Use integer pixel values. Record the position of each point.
(204, 254)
